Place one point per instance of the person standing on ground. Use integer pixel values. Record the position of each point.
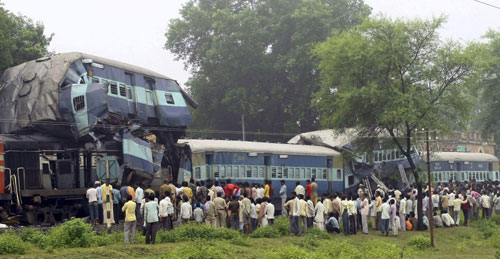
(484, 201)
(496, 203)
(186, 210)
(335, 207)
(385, 216)
(457, 205)
(139, 195)
(198, 213)
(210, 212)
(310, 212)
(123, 200)
(299, 189)
(130, 220)
(378, 206)
(308, 189)
(303, 215)
(345, 214)
(99, 202)
(93, 207)
(319, 218)
(283, 197)
(270, 212)
(220, 207)
(151, 219)
(117, 197)
(394, 217)
(402, 213)
(365, 211)
(233, 211)
(165, 207)
(466, 210)
(314, 191)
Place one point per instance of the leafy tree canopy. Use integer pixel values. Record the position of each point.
(21, 40)
(393, 77)
(254, 55)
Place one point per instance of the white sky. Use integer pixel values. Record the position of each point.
(133, 31)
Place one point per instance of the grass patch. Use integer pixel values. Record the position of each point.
(194, 231)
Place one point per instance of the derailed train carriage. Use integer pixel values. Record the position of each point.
(70, 119)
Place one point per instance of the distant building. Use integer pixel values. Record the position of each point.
(458, 141)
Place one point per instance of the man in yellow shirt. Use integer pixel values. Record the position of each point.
(130, 220)
(314, 193)
(187, 191)
(266, 190)
(378, 205)
(303, 215)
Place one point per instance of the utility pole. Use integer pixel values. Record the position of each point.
(431, 214)
(243, 126)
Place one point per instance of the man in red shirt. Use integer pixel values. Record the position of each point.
(308, 188)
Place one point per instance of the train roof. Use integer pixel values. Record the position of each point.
(461, 156)
(204, 145)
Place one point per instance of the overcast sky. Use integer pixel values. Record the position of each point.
(134, 31)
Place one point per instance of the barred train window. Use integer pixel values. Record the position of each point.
(79, 102)
(169, 98)
(273, 174)
(261, 172)
(123, 91)
(297, 173)
(228, 172)
(249, 172)
(339, 174)
(114, 88)
(216, 172)
(236, 172)
(197, 173)
(285, 173)
(324, 174)
(255, 172)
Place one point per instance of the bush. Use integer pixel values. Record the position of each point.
(281, 224)
(381, 249)
(34, 237)
(267, 231)
(72, 233)
(336, 249)
(486, 227)
(194, 231)
(10, 243)
(419, 242)
(494, 240)
(495, 218)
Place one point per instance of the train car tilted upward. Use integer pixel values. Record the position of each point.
(67, 118)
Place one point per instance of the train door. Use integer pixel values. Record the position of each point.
(140, 104)
(65, 174)
(79, 104)
(329, 174)
(267, 167)
(209, 162)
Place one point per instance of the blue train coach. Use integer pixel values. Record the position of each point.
(255, 162)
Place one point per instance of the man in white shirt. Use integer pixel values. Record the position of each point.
(438, 222)
(310, 212)
(320, 215)
(165, 211)
(451, 198)
(198, 214)
(100, 213)
(283, 197)
(186, 210)
(402, 213)
(365, 211)
(270, 212)
(385, 216)
(139, 196)
(485, 202)
(435, 201)
(299, 189)
(93, 207)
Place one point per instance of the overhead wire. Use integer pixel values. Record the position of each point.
(488, 4)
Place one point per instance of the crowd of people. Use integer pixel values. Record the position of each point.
(245, 207)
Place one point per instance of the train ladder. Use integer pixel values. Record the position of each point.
(404, 178)
(366, 182)
(380, 183)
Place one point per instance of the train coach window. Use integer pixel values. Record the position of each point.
(123, 90)
(169, 98)
(324, 174)
(95, 80)
(273, 172)
(223, 171)
(216, 172)
(229, 172)
(297, 173)
(350, 180)
(497, 175)
(114, 88)
(280, 173)
(339, 175)
(308, 175)
(261, 172)
(197, 173)
(79, 103)
(302, 173)
(236, 173)
(255, 172)
(285, 173)
(249, 172)
(313, 173)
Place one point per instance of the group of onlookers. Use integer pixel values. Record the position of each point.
(245, 207)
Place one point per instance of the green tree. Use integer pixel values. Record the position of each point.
(254, 55)
(21, 40)
(489, 92)
(391, 77)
